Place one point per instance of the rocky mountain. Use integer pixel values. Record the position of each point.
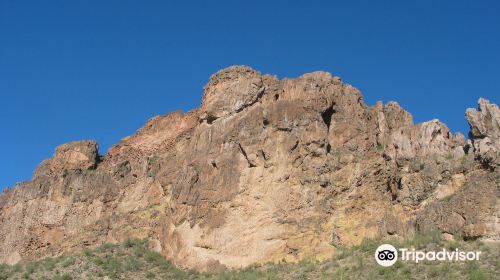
(264, 170)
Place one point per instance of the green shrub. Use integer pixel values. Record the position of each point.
(107, 247)
(17, 268)
(475, 272)
(88, 253)
(65, 276)
(340, 274)
(129, 243)
(452, 245)
(380, 148)
(31, 267)
(368, 245)
(139, 252)
(68, 262)
(421, 240)
(49, 263)
(98, 261)
(360, 263)
(477, 275)
(5, 271)
(133, 264)
(133, 260)
(306, 266)
(113, 264)
(154, 258)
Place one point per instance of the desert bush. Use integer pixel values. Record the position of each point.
(49, 263)
(134, 260)
(132, 242)
(150, 275)
(68, 262)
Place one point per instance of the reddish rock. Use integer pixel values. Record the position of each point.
(264, 170)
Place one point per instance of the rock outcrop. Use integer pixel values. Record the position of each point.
(265, 170)
(80, 155)
(485, 132)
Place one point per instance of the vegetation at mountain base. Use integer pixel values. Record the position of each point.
(264, 170)
(134, 260)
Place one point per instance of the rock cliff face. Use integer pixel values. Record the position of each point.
(264, 170)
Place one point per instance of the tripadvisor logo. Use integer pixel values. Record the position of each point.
(387, 255)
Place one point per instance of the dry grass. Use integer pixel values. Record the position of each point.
(134, 260)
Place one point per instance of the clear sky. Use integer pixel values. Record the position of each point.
(72, 70)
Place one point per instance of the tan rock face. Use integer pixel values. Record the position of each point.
(80, 155)
(264, 170)
(231, 90)
(485, 132)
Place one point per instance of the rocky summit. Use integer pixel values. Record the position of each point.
(264, 170)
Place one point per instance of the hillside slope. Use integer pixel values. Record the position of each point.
(265, 170)
(134, 260)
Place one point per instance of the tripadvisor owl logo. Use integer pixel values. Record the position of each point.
(386, 255)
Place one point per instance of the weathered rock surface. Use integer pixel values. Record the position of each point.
(264, 170)
(485, 132)
(80, 155)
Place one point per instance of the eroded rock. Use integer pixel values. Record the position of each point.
(231, 90)
(264, 170)
(485, 132)
(79, 155)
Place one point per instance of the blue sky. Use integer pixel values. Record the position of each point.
(72, 70)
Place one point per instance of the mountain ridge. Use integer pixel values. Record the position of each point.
(283, 169)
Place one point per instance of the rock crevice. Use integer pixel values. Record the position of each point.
(264, 170)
